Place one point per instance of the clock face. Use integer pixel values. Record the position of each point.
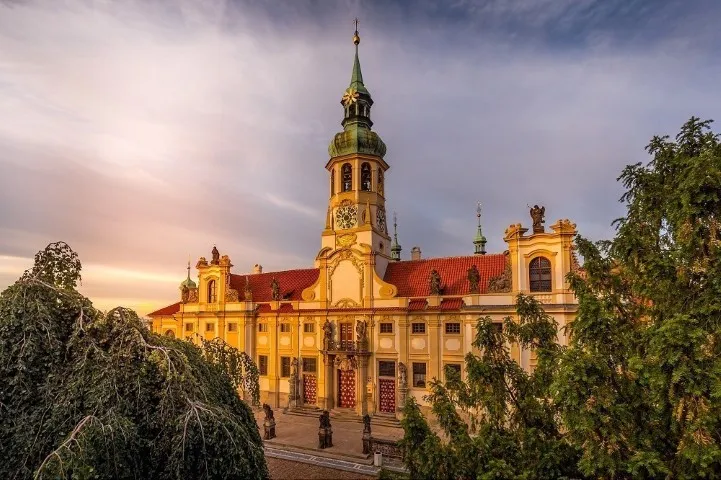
(381, 220)
(346, 217)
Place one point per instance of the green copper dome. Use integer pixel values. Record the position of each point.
(188, 282)
(356, 139)
(357, 136)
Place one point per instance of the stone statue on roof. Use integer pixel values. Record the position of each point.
(474, 279)
(216, 256)
(435, 282)
(537, 215)
(275, 289)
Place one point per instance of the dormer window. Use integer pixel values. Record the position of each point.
(366, 177)
(347, 172)
(539, 274)
(212, 295)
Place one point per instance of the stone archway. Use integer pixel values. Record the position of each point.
(170, 333)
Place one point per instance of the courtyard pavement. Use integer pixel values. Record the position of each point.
(297, 441)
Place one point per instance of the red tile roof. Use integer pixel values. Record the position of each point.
(412, 276)
(451, 303)
(417, 304)
(169, 310)
(291, 283)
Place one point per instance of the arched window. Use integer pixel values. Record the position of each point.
(366, 177)
(347, 172)
(170, 333)
(539, 273)
(380, 181)
(212, 296)
(332, 182)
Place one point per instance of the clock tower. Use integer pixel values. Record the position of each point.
(356, 208)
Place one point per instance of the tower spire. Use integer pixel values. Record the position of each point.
(395, 247)
(479, 241)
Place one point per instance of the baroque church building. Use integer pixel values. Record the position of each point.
(363, 329)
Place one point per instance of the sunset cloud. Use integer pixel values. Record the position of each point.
(143, 133)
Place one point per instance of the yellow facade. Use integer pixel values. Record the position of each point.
(366, 328)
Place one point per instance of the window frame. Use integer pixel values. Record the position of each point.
(212, 292)
(413, 328)
(262, 327)
(380, 370)
(366, 177)
(189, 324)
(308, 359)
(540, 267)
(385, 324)
(285, 327)
(209, 327)
(452, 364)
(308, 330)
(448, 324)
(343, 173)
(285, 369)
(261, 371)
(413, 374)
(232, 326)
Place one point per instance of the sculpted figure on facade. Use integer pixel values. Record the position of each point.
(216, 256)
(537, 215)
(402, 375)
(435, 282)
(275, 289)
(202, 262)
(247, 293)
(361, 330)
(327, 335)
(474, 279)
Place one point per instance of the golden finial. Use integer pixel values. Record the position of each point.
(356, 38)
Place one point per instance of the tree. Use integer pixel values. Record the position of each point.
(640, 386)
(500, 422)
(90, 395)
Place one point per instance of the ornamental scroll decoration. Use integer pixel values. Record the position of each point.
(346, 303)
(503, 282)
(346, 240)
(345, 363)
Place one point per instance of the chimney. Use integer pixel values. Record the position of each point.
(415, 253)
(257, 268)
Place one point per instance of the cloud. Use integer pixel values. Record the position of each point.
(145, 132)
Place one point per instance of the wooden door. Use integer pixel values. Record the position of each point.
(346, 335)
(310, 387)
(346, 386)
(387, 389)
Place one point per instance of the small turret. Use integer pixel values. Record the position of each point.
(188, 282)
(479, 241)
(395, 247)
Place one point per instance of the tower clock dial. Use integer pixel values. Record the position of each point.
(346, 217)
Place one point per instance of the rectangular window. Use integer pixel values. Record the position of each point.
(452, 367)
(262, 327)
(418, 328)
(386, 328)
(386, 369)
(308, 327)
(209, 327)
(310, 365)
(263, 364)
(285, 327)
(232, 327)
(419, 375)
(188, 327)
(285, 366)
(498, 327)
(453, 328)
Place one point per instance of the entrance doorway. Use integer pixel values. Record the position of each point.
(387, 386)
(346, 388)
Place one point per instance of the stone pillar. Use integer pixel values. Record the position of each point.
(361, 383)
(273, 363)
(403, 343)
(434, 349)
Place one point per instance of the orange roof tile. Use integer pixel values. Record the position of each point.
(412, 276)
(169, 310)
(291, 283)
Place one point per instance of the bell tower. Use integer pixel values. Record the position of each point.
(356, 207)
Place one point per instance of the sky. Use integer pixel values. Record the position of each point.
(143, 132)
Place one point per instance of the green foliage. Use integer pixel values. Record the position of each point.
(639, 388)
(241, 369)
(637, 393)
(500, 421)
(91, 395)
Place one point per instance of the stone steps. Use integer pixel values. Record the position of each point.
(379, 419)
